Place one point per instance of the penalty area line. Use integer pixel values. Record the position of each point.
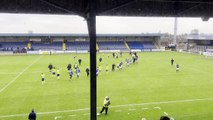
(116, 106)
(7, 85)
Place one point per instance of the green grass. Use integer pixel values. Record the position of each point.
(150, 83)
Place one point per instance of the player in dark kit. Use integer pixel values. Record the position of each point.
(69, 66)
(177, 67)
(79, 61)
(120, 65)
(50, 67)
(87, 71)
(100, 59)
(113, 67)
(53, 71)
(172, 61)
(97, 71)
(113, 55)
(58, 73)
(116, 55)
(78, 71)
(32, 115)
(120, 54)
(42, 78)
(71, 74)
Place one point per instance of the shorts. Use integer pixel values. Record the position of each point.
(42, 79)
(53, 73)
(177, 68)
(58, 74)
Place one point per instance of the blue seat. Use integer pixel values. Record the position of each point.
(77, 46)
(47, 46)
(114, 45)
(12, 46)
(141, 45)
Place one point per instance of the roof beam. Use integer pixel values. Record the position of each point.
(183, 1)
(117, 6)
(59, 7)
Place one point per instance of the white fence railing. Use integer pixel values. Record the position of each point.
(48, 52)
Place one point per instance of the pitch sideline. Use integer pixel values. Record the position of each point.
(116, 106)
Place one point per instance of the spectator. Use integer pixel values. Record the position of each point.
(32, 115)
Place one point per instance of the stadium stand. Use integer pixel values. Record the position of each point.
(199, 43)
(106, 45)
(46, 46)
(141, 45)
(35, 43)
(77, 45)
(149, 45)
(114, 45)
(200, 48)
(13, 46)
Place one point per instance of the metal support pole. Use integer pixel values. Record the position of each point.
(188, 45)
(91, 23)
(175, 31)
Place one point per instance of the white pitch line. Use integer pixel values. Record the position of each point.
(72, 115)
(163, 102)
(19, 75)
(165, 113)
(132, 109)
(14, 73)
(157, 108)
(62, 111)
(45, 113)
(116, 106)
(15, 115)
(172, 118)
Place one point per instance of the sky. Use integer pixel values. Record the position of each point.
(23, 23)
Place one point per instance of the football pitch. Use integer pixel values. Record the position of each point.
(142, 91)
